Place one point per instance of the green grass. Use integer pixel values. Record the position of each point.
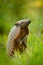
(10, 12)
(33, 55)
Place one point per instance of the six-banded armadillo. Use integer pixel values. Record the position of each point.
(17, 39)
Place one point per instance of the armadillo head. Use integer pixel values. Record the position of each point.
(23, 23)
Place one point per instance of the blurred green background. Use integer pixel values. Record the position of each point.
(12, 11)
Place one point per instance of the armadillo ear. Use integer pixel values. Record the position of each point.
(16, 24)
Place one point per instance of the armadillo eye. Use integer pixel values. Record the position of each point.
(21, 22)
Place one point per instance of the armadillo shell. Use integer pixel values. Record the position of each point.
(15, 31)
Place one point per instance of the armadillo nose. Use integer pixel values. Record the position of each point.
(28, 22)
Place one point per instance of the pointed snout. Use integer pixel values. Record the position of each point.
(28, 22)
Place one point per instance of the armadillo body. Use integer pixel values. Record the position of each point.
(17, 39)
